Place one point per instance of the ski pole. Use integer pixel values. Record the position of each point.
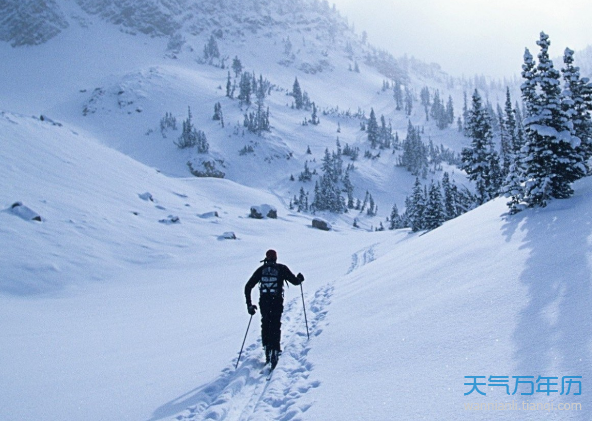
(304, 307)
(242, 346)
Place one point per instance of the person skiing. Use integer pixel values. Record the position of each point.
(270, 277)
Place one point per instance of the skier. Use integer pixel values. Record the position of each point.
(270, 277)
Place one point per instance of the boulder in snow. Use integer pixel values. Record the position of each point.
(228, 236)
(263, 211)
(24, 212)
(146, 196)
(321, 224)
(208, 215)
(171, 219)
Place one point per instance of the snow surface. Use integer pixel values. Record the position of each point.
(108, 314)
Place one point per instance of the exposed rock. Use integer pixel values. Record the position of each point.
(321, 224)
(263, 211)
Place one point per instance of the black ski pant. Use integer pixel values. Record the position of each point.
(272, 307)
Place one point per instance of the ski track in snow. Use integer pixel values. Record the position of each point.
(361, 258)
(244, 394)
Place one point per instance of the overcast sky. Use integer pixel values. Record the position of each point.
(471, 36)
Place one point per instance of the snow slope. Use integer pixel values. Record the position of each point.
(109, 315)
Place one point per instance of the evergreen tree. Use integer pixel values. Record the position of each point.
(217, 112)
(314, 117)
(245, 89)
(577, 102)
(450, 110)
(435, 110)
(465, 113)
(228, 86)
(505, 143)
(302, 201)
(236, 66)
(188, 137)
(398, 95)
(434, 215)
(415, 206)
(552, 162)
(202, 142)
(371, 211)
(408, 101)
(372, 129)
(513, 160)
(306, 174)
(348, 189)
(480, 160)
(450, 197)
(211, 49)
(297, 94)
(425, 101)
(415, 153)
(395, 220)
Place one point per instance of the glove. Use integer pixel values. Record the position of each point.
(300, 277)
(251, 309)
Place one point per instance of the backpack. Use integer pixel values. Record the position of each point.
(270, 283)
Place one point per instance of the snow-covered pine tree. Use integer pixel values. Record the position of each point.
(385, 136)
(306, 174)
(511, 126)
(450, 110)
(436, 106)
(480, 160)
(505, 143)
(408, 101)
(237, 66)
(433, 215)
(425, 101)
(398, 95)
(297, 94)
(552, 162)
(512, 186)
(577, 102)
(348, 189)
(415, 205)
(211, 50)
(314, 119)
(372, 130)
(188, 137)
(167, 122)
(415, 153)
(229, 86)
(245, 89)
(450, 198)
(217, 112)
(395, 220)
(372, 208)
(465, 113)
(202, 142)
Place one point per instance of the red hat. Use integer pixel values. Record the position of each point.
(271, 255)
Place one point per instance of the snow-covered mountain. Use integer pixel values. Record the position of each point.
(116, 71)
(121, 291)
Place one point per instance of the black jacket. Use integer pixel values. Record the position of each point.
(272, 277)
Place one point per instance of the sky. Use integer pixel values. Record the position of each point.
(471, 36)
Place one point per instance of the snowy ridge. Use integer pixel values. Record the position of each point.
(151, 17)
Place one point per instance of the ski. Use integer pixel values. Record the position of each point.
(268, 378)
